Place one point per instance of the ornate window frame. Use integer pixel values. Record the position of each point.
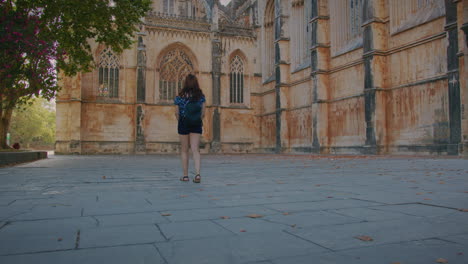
(108, 74)
(175, 62)
(236, 79)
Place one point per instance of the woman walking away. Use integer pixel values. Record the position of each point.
(190, 110)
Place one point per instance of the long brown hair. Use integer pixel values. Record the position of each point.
(191, 88)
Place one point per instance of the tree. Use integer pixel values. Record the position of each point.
(34, 124)
(38, 38)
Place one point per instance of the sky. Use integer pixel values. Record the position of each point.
(225, 2)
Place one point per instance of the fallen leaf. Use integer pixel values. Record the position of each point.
(441, 260)
(242, 230)
(59, 239)
(441, 182)
(463, 210)
(166, 214)
(200, 190)
(255, 216)
(285, 213)
(225, 217)
(104, 177)
(318, 185)
(460, 253)
(330, 197)
(293, 226)
(214, 199)
(183, 196)
(279, 182)
(365, 238)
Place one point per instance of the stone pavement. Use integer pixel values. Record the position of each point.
(303, 209)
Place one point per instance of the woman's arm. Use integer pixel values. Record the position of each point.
(203, 110)
(177, 112)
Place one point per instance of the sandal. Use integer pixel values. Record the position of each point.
(197, 179)
(184, 179)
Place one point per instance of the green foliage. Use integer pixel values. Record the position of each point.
(33, 124)
(39, 38)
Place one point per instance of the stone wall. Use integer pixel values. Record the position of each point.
(392, 81)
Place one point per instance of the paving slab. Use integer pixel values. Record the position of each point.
(144, 254)
(117, 236)
(310, 209)
(237, 249)
(192, 230)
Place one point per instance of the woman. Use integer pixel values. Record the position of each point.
(190, 97)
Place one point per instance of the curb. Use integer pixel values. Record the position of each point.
(10, 158)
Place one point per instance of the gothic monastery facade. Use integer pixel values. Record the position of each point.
(284, 76)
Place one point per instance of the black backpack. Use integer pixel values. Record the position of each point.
(192, 116)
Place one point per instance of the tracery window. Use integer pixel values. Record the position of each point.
(236, 81)
(108, 74)
(174, 68)
(405, 14)
(300, 42)
(269, 40)
(346, 25)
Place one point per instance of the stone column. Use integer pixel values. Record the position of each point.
(140, 145)
(216, 86)
(453, 75)
(281, 69)
(375, 35)
(463, 5)
(320, 56)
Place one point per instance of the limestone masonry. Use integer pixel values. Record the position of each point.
(289, 76)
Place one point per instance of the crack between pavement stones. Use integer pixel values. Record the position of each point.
(223, 227)
(296, 236)
(97, 221)
(148, 201)
(77, 240)
(78, 249)
(161, 232)
(10, 203)
(160, 254)
(5, 224)
(391, 243)
(82, 212)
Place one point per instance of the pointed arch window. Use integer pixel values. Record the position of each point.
(174, 67)
(300, 42)
(236, 80)
(108, 74)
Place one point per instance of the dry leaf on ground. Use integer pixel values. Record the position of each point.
(255, 216)
(441, 260)
(285, 213)
(183, 196)
(59, 239)
(463, 210)
(242, 230)
(104, 177)
(166, 214)
(365, 238)
(224, 217)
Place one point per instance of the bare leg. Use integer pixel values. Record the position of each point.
(184, 150)
(195, 146)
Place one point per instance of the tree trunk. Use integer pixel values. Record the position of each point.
(5, 118)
